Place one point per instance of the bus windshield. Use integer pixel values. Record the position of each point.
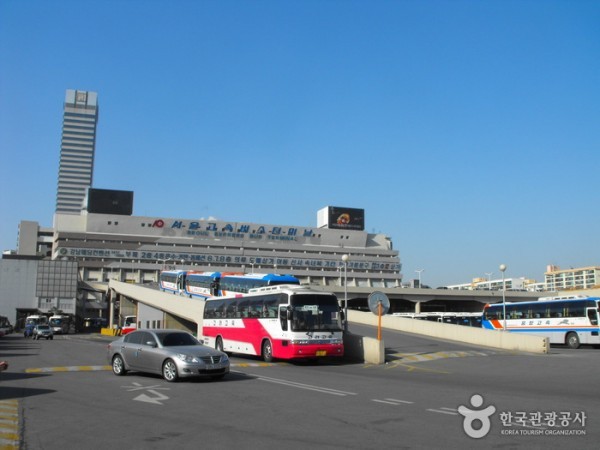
(315, 313)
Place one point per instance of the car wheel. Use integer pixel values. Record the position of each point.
(118, 365)
(267, 351)
(169, 370)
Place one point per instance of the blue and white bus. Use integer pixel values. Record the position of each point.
(564, 320)
(172, 281)
(205, 285)
(202, 284)
(232, 284)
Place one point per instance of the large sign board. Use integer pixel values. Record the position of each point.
(340, 218)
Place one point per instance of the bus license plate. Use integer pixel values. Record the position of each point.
(321, 352)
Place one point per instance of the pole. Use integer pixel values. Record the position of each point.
(379, 307)
(345, 260)
(502, 269)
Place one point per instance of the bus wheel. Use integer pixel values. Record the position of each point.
(267, 351)
(573, 340)
(219, 344)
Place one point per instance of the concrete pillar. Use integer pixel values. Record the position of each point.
(417, 307)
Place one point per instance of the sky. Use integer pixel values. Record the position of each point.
(467, 130)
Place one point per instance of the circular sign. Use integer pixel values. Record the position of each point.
(375, 299)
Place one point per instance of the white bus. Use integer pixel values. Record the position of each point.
(564, 320)
(283, 322)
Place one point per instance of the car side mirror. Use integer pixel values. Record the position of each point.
(151, 344)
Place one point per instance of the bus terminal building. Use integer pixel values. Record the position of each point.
(82, 253)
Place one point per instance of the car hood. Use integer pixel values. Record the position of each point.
(194, 350)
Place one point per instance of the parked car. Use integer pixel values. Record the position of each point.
(173, 354)
(42, 331)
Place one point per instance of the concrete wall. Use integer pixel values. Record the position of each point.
(459, 333)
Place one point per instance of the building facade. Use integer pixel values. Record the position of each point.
(136, 249)
(582, 278)
(77, 150)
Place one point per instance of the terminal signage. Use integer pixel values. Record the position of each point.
(211, 258)
(234, 230)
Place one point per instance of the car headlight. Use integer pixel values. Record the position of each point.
(224, 358)
(187, 358)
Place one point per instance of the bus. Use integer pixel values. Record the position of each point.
(564, 320)
(218, 284)
(202, 284)
(172, 281)
(243, 283)
(33, 320)
(129, 324)
(283, 322)
(60, 323)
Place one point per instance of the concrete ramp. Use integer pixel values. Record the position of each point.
(459, 333)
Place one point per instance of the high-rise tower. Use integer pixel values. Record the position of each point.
(77, 149)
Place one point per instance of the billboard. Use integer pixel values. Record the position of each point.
(106, 201)
(338, 218)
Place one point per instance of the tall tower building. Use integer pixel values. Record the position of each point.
(77, 149)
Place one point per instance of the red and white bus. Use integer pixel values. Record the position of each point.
(283, 322)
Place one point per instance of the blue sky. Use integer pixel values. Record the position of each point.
(467, 130)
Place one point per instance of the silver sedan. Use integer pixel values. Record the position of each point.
(173, 354)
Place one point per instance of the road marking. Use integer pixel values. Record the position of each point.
(425, 357)
(67, 369)
(451, 411)
(9, 425)
(104, 368)
(155, 397)
(308, 387)
(393, 401)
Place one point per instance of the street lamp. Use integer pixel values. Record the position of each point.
(345, 259)
(419, 272)
(503, 269)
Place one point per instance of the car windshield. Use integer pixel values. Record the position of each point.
(176, 339)
(43, 327)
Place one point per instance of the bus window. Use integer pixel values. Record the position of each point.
(231, 309)
(283, 317)
(243, 306)
(593, 316)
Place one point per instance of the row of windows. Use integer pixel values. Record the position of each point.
(260, 306)
(542, 310)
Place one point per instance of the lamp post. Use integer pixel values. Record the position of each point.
(503, 269)
(419, 272)
(345, 259)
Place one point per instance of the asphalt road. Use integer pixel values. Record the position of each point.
(64, 396)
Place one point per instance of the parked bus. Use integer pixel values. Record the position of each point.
(172, 281)
(32, 321)
(284, 322)
(60, 323)
(571, 321)
(242, 283)
(202, 284)
(218, 284)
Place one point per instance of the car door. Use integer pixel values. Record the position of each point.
(131, 349)
(148, 357)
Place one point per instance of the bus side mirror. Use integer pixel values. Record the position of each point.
(289, 314)
(342, 315)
